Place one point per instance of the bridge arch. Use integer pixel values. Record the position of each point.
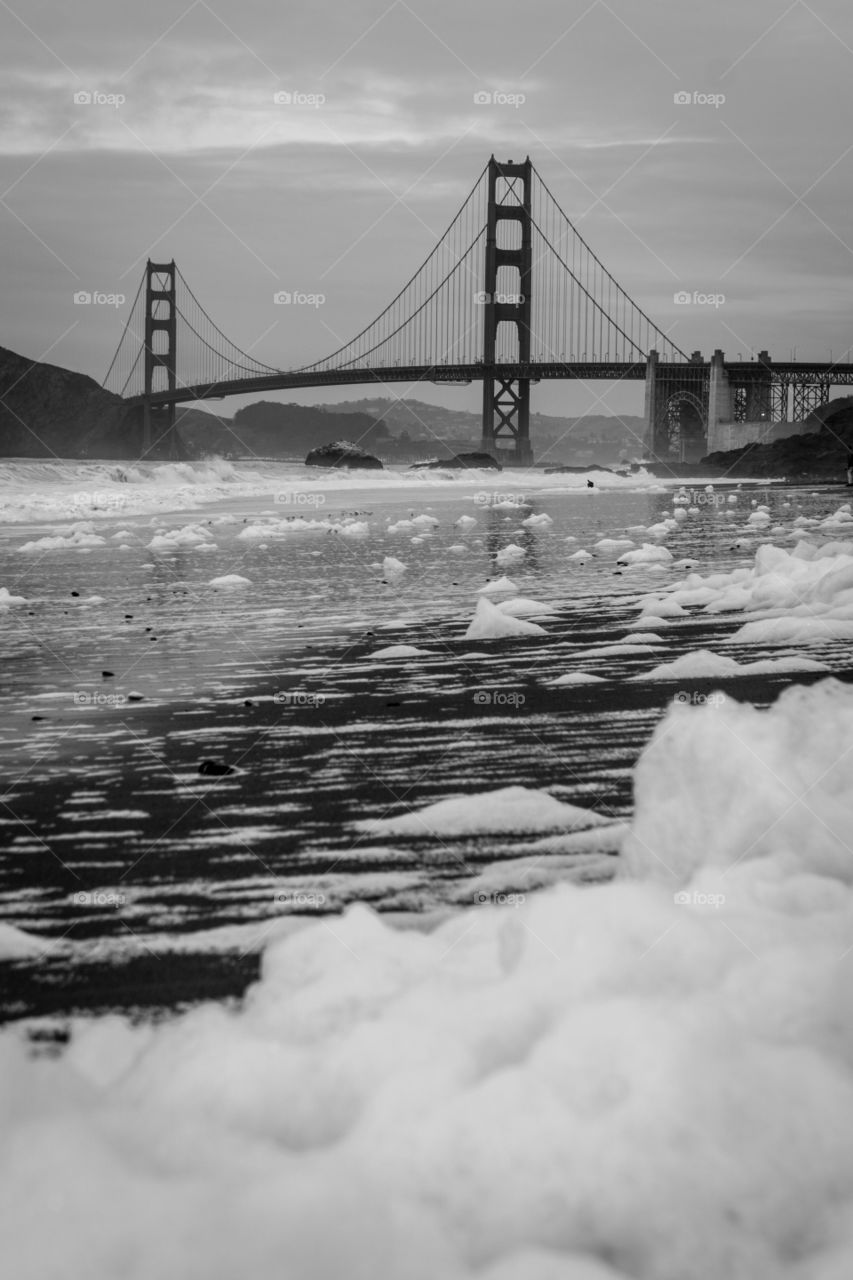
(686, 426)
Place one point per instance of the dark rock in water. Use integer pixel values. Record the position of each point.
(343, 453)
(135, 697)
(215, 769)
(476, 461)
(37, 717)
(107, 675)
(75, 593)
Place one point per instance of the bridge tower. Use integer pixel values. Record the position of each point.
(506, 401)
(159, 295)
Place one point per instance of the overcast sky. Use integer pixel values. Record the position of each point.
(750, 197)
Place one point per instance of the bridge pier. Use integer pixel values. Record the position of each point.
(719, 404)
(650, 402)
(506, 402)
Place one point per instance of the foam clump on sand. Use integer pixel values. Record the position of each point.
(799, 595)
(648, 553)
(490, 622)
(703, 664)
(613, 546)
(7, 600)
(230, 580)
(74, 540)
(393, 568)
(263, 530)
(399, 651)
(793, 820)
(509, 809)
(576, 677)
(510, 554)
(191, 535)
(15, 944)
(497, 586)
(646, 1078)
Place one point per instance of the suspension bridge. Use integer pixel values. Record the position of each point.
(509, 296)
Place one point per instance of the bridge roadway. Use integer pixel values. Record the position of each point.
(738, 371)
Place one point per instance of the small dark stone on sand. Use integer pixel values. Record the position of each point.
(214, 769)
(37, 717)
(107, 674)
(147, 628)
(134, 697)
(75, 593)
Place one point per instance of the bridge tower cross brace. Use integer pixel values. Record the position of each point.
(159, 288)
(506, 401)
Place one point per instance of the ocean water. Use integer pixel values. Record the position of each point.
(239, 611)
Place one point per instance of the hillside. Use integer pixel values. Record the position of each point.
(820, 455)
(565, 439)
(47, 411)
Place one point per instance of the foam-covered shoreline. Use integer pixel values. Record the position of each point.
(649, 1078)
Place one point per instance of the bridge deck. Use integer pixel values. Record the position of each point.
(739, 371)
